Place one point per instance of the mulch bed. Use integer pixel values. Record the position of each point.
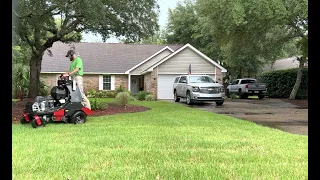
(301, 103)
(17, 109)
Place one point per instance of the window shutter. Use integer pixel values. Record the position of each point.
(113, 82)
(100, 82)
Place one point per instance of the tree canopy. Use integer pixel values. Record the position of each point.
(35, 24)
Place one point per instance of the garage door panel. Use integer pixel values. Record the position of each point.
(165, 84)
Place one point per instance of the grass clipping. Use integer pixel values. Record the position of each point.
(123, 98)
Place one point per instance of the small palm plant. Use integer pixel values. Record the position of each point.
(123, 98)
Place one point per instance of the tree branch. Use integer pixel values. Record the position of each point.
(53, 31)
(50, 42)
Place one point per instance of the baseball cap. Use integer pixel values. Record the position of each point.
(70, 52)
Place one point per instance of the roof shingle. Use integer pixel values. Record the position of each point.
(100, 57)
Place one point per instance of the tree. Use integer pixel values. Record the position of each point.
(257, 29)
(157, 38)
(181, 23)
(35, 24)
(186, 26)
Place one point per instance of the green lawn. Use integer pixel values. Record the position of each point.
(170, 141)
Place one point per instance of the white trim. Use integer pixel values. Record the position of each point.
(167, 47)
(100, 82)
(179, 50)
(129, 82)
(113, 82)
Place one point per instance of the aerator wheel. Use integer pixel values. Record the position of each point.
(78, 117)
(23, 120)
(37, 122)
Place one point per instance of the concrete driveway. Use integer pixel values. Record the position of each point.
(269, 112)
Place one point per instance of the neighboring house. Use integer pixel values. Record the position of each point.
(285, 63)
(136, 67)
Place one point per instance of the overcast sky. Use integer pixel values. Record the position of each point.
(163, 16)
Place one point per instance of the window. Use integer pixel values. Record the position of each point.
(245, 81)
(201, 79)
(235, 82)
(176, 80)
(106, 82)
(182, 78)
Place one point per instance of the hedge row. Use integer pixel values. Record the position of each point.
(280, 83)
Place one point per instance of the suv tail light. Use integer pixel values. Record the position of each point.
(247, 86)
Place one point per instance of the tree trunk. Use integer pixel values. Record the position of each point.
(35, 68)
(298, 80)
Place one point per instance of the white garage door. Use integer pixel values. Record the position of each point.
(165, 83)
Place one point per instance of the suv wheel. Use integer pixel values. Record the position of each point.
(219, 103)
(176, 99)
(189, 102)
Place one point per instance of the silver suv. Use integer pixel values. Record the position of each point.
(198, 88)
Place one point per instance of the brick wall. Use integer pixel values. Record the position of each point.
(219, 76)
(150, 81)
(89, 81)
(49, 79)
(121, 79)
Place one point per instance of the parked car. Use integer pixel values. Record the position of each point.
(246, 87)
(198, 88)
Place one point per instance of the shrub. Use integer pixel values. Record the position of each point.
(123, 98)
(149, 97)
(43, 89)
(234, 96)
(105, 94)
(120, 89)
(141, 95)
(91, 93)
(280, 83)
(96, 105)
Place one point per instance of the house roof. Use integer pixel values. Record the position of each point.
(101, 57)
(179, 50)
(285, 63)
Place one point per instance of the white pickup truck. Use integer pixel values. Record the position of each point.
(246, 87)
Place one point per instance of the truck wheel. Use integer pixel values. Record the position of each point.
(240, 94)
(219, 103)
(260, 96)
(189, 101)
(78, 117)
(245, 96)
(176, 99)
(37, 123)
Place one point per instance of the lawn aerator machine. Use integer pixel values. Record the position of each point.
(63, 105)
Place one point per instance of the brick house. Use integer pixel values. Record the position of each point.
(136, 67)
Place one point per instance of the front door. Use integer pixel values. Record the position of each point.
(134, 84)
